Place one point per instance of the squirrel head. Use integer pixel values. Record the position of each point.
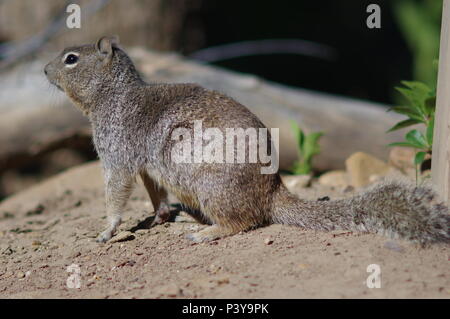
(91, 74)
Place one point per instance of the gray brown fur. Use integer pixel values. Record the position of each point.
(132, 123)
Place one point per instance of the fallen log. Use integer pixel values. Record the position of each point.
(36, 118)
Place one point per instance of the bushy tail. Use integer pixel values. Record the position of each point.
(394, 209)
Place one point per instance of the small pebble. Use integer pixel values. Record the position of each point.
(223, 280)
(268, 241)
(392, 245)
(214, 268)
(77, 254)
(171, 290)
(20, 275)
(349, 189)
(122, 236)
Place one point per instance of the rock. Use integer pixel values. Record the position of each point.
(142, 231)
(294, 182)
(337, 178)
(76, 254)
(402, 158)
(6, 250)
(170, 290)
(20, 275)
(348, 189)
(193, 228)
(392, 245)
(211, 282)
(214, 268)
(122, 236)
(222, 280)
(36, 210)
(361, 166)
(129, 263)
(268, 241)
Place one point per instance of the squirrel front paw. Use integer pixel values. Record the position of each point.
(104, 236)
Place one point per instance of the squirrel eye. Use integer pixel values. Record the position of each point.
(71, 59)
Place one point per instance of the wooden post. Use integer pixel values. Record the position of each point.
(440, 167)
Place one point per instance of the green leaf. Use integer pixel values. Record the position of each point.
(301, 168)
(430, 105)
(311, 146)
(402, 144)
(308, 146)
(417, 86)
(418, 90)
(411, 113)
(414, 105)
(430, 131)
(419, 158)
(403, 124)
(416, 138)
(416, 93)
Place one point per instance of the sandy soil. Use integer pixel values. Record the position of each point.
(52, 225)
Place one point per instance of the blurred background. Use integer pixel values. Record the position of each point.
(324, 46)
(338, 54)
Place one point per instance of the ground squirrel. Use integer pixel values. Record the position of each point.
(133, 122)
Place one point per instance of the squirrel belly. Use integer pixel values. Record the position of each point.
(393, 209)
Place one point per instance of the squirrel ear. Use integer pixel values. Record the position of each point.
(105, 46)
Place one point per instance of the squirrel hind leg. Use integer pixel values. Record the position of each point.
(211, 233)
(224, 223)
(222, 227)
(229, 211)
(159, 198)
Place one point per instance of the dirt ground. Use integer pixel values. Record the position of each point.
(47, 234)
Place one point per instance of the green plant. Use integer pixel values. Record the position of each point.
(419, 110)
(308, 147)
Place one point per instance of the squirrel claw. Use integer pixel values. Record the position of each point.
(162, 216)
(156, 221)
(104, 237)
